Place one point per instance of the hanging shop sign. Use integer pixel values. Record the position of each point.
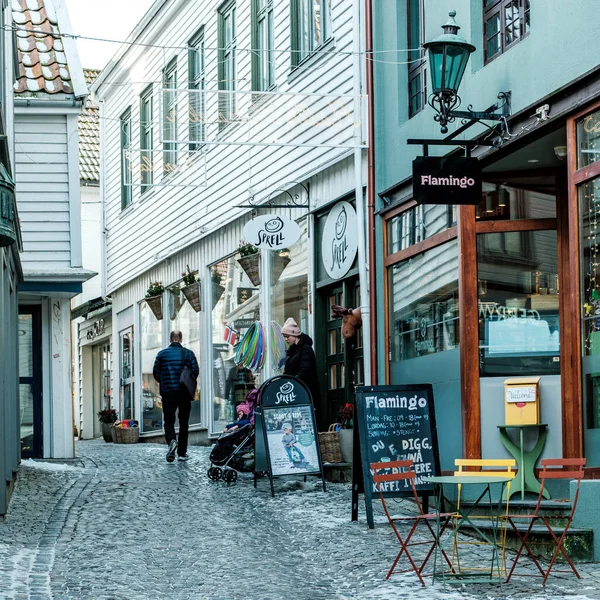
(286, 439)
(339, 243)
(272, 232)
(446, 180)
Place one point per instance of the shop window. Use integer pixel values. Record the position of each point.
(311, 27)
(151, 345)
(235, 307)
(518, 303)
(505, 22)
(289, 291)
(509, 202)
(185, 319)
(588, 140)
(417, 224)
(424, 309)
(417, 65)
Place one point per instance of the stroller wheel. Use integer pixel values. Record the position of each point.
(230, 476)
(214, 473)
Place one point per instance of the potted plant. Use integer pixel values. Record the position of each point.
(346, 420)
(217, 288)
(191, 288)
(250, 262)
(108, 417)
(154, 296)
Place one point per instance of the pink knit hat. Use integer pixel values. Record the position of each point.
(290, 327)
(243, 408)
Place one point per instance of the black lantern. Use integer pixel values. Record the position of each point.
(448, 57)
(8, 229)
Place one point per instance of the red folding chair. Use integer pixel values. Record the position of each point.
(401, 470)
(556, 472)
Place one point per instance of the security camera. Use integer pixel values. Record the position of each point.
(560, 152)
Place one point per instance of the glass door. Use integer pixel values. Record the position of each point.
(127, 374)
(30, 381)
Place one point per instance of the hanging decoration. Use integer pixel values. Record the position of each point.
(277, 346)
(250, 352)
(592, 306)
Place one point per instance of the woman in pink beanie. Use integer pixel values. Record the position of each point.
(300, 358)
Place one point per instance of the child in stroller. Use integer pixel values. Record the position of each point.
(234, 450)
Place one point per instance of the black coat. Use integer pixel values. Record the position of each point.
(300, 362)
(169, 364)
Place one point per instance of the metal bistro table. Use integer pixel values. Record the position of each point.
(464, 520)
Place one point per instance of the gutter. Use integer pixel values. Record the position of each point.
(371, 190)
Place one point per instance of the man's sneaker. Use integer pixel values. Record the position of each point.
(171, 452)
(184, 457)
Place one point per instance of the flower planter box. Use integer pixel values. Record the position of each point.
(217, 292)
(192, 294)
(155, 304)
(178, 302)
(251, 266)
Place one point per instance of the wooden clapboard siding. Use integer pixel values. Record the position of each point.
(163, 219)
(43, 195)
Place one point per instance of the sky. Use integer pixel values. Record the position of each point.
(108, 19)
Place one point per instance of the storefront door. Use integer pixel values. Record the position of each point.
(127, 374)
(30, 381)
(340, 359)
(101, 374)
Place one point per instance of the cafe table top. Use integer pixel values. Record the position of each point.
(467, 479)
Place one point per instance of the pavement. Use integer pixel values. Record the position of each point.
(120, 523)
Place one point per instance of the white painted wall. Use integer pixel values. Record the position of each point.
(166, 219)
(91, 242)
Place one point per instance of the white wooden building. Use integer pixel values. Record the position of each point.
(254, 102)
(48, 95)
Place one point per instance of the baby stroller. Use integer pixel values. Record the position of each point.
(233, 452)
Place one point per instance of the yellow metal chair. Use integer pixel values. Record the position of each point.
(498, 467)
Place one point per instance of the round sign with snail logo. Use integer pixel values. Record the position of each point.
(339, 243)
(273, 232)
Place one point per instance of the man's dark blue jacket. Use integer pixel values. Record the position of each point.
(169, 364)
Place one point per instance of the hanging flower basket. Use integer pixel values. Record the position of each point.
(279, 264)
(217, 292)
(251, 266)
(155, 304)
(192, 293)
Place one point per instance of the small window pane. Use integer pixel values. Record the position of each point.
(332, 377)
(332, 342)
(588, 140)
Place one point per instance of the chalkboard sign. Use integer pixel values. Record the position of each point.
(397, 422)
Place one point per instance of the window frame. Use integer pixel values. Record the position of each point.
(126, 163)
(146, 138)
(196, 81)
(498, 7)
(169, 106)
(263, 58)
(299, 53)
(226, 62)
(417, 71)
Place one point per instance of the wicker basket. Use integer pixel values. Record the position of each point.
(130, 435)
(329, 441)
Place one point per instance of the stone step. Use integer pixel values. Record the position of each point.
(578, 543)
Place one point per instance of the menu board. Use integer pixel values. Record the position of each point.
(397, 423)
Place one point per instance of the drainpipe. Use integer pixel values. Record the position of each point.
(371, 190)
(363, 256)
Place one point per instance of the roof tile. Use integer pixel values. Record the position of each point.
(42, 61)
(89, 136)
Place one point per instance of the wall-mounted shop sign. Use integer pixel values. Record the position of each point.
(272, 232)
(339, 243)
(446, 180)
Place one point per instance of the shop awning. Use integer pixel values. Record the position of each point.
(83, 310)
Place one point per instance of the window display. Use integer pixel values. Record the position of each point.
(151, 344)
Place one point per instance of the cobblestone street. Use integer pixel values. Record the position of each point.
(121, 523)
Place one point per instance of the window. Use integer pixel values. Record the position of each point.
(169, 117)
(146, 139)
(417, 70)
(196, 74)
(263, 57)
(311, 27)
(126, 166)
(505, 22)
(227, 46)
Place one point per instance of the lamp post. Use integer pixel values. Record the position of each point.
(448, 57)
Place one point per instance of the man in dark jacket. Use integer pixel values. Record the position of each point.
(300, 358)
(167, 370)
